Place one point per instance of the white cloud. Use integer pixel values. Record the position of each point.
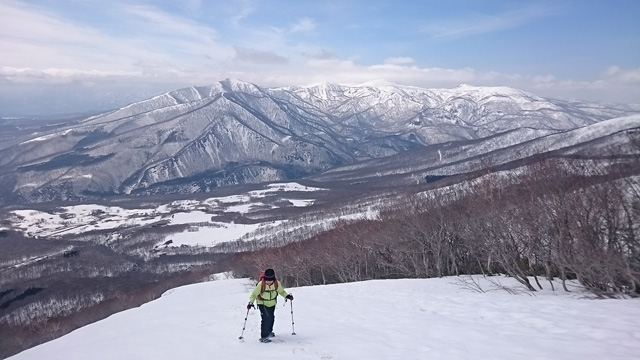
(303, 25)
(614, 84)
(322, 54)
(402, 60)
(615, 73)
(54, 75)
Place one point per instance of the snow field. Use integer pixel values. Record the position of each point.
(382, 319)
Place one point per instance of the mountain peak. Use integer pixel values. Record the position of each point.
(322, 85)
(324, 91)
(381, 83)
(487, 91)
(231, 84)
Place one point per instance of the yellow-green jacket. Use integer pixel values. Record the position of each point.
(269, 295)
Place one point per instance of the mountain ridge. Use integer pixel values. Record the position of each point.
(238, 132)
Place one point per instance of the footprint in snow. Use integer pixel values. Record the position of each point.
(325, 355)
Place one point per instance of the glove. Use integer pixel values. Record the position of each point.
(290, 297)
(250, 305)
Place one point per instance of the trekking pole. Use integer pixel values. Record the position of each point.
(244, 326)
(293, 331)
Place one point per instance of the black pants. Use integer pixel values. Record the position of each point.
(268, 315)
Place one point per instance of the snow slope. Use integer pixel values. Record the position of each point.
(385, 319)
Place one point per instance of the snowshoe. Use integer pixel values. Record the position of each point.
(271, 335)
(265, 340)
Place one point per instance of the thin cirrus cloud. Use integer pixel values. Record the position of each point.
(258, 57)
(40, 39)
(478, 23)
(238, 11)
(154, 21)
(175, 36)
(303, 25)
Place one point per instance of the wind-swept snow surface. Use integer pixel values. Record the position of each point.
(385, 319)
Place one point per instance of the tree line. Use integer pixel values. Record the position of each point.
(558, 218)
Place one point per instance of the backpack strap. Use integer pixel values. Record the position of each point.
(263, 284)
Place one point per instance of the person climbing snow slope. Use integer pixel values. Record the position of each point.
(266, 293)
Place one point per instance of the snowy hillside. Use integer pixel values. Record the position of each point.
(461, 157)
(386, 319)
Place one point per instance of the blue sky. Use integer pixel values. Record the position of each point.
(86, 54)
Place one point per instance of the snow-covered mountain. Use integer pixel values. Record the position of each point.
(613, 139)
(234, 132)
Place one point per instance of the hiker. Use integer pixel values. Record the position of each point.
(266, 292)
